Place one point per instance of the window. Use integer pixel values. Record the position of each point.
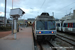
(73, 25)
(70, 25)
(45, 25)
(58, 24)
(65, 24)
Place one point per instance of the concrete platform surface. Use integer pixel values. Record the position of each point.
(24, 41)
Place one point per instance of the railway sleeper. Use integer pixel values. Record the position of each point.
(46, 37)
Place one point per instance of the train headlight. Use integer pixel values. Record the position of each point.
(52, 32)
(39, 32)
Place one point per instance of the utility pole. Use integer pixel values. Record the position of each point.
(12, 4)
(53, 14)
(5, 14)
(12, 20)
(70, 10)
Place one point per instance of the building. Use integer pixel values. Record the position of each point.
(69, 16)
(73, 14)
(9, 21)
(22, 21)
(31, 20)
(2, 21)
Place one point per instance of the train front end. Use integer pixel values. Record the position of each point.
(45, 29)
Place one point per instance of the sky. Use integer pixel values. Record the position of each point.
(33, 8)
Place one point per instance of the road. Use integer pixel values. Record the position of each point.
(24, 41)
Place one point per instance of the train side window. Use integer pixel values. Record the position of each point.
(73, 25)
(58, 24)
(68, 25)
(65, 24)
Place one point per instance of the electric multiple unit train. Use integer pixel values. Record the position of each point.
(29, 23)
(66, 26)
(44, 27)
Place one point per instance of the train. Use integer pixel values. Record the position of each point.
(44, 27)
(66, 26)
(29, 23)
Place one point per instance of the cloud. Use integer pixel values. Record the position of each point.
(1, 13)
(34, 8)
(2, 5)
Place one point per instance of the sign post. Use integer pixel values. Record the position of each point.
(16, 13)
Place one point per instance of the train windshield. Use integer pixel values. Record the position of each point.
(45, 25)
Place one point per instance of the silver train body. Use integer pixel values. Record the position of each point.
(58, 26)
(44, 28)
(66, 26)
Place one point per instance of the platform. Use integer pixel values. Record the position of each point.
(24, 41)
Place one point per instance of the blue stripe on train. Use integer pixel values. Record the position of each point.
(45, 32)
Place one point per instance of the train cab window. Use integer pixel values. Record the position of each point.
(45, 25)
(73, 25)
(40, 25)
(65, 24)
(51, 25)
(58, 24)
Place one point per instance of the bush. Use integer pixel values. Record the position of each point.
(3, 28)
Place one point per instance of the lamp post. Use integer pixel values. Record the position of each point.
(15, 14)
(53, 14)
(12, 20)
(5, 14)
(70, 10)
(12, 4)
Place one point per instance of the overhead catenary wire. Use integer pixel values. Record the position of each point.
(42, 3)
(67, 6)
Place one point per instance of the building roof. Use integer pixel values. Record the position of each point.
(31, 19)
(1, 16)
(68, 16)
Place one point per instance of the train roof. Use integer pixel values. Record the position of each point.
(58, 21)
(42, 17)
(69, 21)
(45, 13)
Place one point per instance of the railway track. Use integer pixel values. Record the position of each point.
(44, 46)
(41, 45)
(66, 39)
(48, 45)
